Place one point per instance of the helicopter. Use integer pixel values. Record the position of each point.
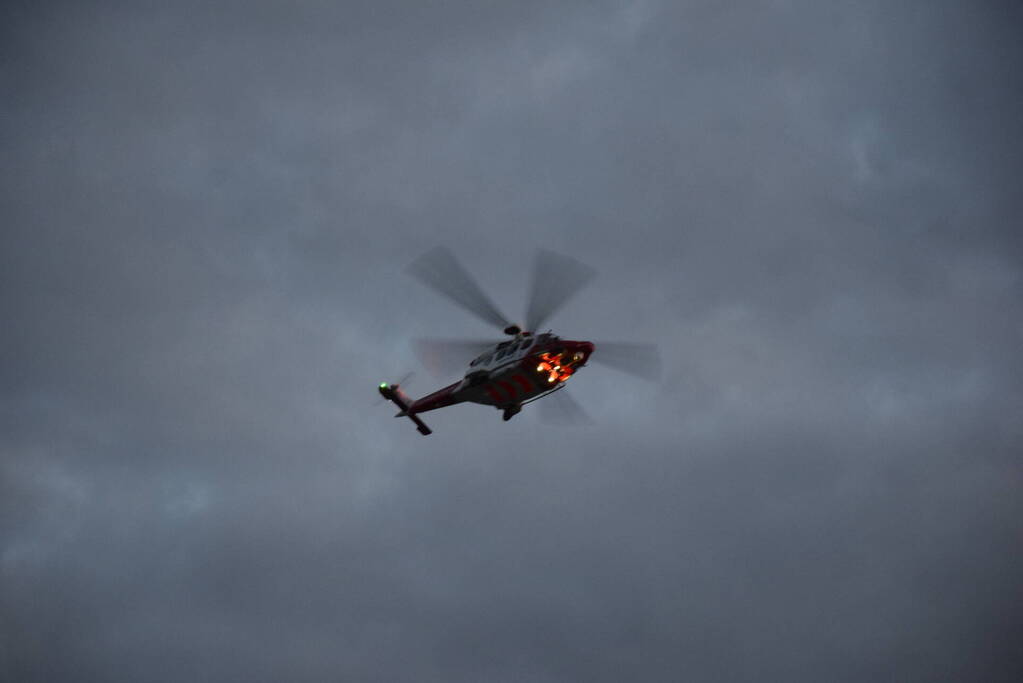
(527, 366)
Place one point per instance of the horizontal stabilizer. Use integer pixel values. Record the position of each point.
(396, 396)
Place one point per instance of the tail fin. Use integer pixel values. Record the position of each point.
(396, 396)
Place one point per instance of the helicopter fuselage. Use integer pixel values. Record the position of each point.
(510, 374)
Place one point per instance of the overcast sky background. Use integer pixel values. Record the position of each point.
(813, 208)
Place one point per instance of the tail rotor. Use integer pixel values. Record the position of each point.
(408, 377)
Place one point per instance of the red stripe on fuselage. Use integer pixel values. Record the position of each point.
(507, 386)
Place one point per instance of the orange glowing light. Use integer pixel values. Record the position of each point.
(556, 369)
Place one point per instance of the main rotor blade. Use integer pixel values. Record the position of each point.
(441, 271)
(446, 357)
(641, 360)
(556, 278)
(560, 408)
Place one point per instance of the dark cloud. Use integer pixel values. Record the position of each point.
(812, 209)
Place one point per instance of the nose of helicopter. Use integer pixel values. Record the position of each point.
(585, 347)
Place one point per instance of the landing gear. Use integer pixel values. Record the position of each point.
(511, 411)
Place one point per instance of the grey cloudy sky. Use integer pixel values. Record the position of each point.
(812, 207)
